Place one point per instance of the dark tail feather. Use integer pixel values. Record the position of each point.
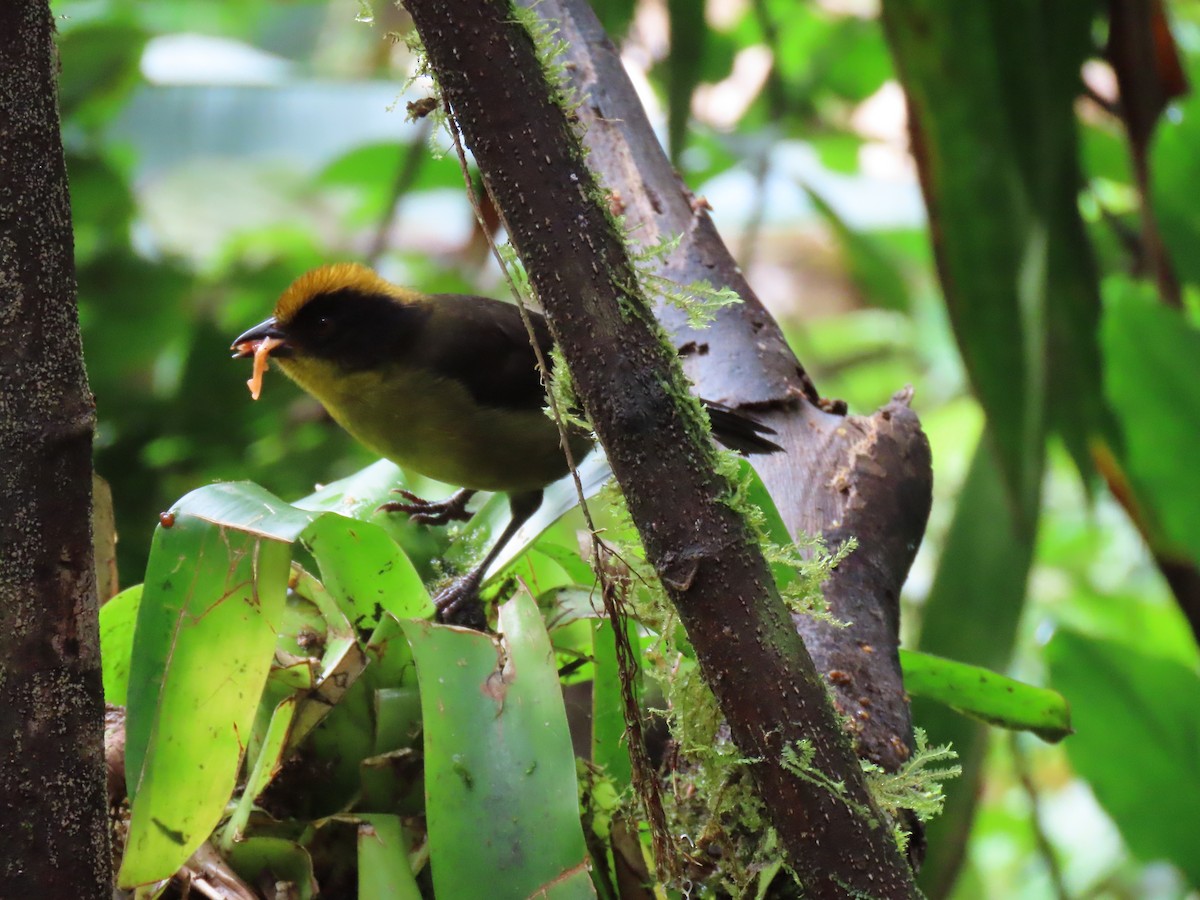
(737, 431)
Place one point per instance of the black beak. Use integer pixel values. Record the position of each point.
(245, 344)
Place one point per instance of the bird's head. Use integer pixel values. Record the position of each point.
(338, 318)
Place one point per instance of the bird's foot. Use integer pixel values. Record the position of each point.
(431, 512)
(459, 603)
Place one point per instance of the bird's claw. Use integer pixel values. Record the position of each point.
(430, 512)
(459, 604)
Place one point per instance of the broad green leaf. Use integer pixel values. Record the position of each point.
(281, 859)
(283, 683)
(1136, 718)
(118, 618)
(245, 507)
(1075, 406)
(383, 869)
(1155, 395)
(294, 678)
(213, 602)
(341, 664)
(391, 776)
(357, 495)
(391, 659)
(1175, 178)
(540, 573)
(366, 570)
(570, 560)
(343, 739)
(1132, 615)
(397, 717)
(986, 695)
(267, 762)
(501, 796)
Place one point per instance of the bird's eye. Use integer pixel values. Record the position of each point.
(322, 325)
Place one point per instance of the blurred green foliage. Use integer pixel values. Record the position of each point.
(217, 149)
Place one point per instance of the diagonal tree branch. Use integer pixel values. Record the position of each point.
(867, 477)
(631, 386)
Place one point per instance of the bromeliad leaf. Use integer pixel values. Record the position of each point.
(206, 631)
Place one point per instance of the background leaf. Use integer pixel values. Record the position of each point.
(1154, 704)
(1156, 398)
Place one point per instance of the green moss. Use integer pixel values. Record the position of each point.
(916, 786)
(800, 760)
(698, 300)
(562, 391)
(808, 558)
(711, 800)
(550, 48)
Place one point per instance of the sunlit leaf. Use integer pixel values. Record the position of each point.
(497, 749)
(558, 499)
(267, 762)
(213, 602)
(367, 570)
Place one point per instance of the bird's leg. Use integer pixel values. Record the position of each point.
(458, 603)
(432, 512)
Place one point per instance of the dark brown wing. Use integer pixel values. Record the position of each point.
(482, 343)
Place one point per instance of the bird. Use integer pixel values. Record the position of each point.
(446, 385)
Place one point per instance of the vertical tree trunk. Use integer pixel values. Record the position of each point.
(53, 814)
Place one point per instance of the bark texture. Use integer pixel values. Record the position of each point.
(867, 477)
(53, 814)
(629, 382)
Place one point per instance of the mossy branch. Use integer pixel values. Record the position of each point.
(632, 387)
